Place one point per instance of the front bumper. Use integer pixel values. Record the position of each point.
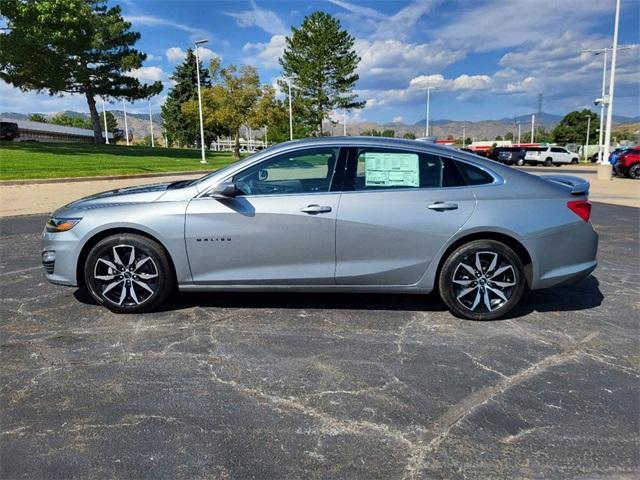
(64, 247)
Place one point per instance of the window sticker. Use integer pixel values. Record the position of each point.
(391, 169)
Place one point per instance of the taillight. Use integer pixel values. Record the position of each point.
(582, 208)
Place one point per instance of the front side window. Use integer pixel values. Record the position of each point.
(384, 169)
(300, 172)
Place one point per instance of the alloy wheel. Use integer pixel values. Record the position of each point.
(126, 276)
(484, 281)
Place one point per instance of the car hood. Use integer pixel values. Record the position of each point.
(140, 194)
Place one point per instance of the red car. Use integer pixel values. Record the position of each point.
(628, 163)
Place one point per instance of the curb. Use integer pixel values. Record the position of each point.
(98, 179)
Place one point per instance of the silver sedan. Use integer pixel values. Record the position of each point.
(352, 214)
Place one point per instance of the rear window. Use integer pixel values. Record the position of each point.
(474, 175)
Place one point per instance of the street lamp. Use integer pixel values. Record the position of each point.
(198, 43)
(344, 122)
(106, 128)
(518, 133)
(126, 125)
(464, 136)
(604, 167)
(290, 111)
(586, 145)
(151, 124)
(426, 126)
(533, 127)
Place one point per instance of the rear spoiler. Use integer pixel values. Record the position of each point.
(578, 186)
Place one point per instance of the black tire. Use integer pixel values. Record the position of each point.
(548, 162)
(112, 262)
(634, 171)
(455, 278)
(520, 162)
(558, 164)
(574, 161)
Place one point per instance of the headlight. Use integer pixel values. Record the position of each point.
(61, 224)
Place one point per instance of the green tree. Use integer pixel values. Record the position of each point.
(71, 46)
(37, 117)
(235, 98)
(67, 120)
(498, 138)
(388, 133)
(573, 128)
(180, 128)
(508, 136)
(321, 62)
(371, 132)
(409, 136)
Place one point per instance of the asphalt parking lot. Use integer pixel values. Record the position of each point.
(323, 386)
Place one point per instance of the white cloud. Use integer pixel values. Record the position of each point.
(463, 82)
(148, 74)
(153, 21)
(265, 54)
(261, 18)
(177, 54)
(397, 119)
(395, 63)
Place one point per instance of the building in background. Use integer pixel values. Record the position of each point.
(47, 132)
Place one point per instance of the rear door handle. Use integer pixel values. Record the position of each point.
(443, 206)
(313, 209)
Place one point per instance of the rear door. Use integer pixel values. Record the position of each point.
(560, 155)
(397, 210)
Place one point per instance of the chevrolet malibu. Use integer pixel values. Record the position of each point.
(331, 215)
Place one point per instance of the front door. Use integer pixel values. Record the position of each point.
(280, 229)
(402, 208)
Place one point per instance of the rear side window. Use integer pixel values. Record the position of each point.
(474, 175)
(385, 169)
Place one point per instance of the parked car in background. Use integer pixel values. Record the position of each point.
(509, 155)
(548, 156)
(628, 163)
(355, 214)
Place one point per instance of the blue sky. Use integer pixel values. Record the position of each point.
(486, 59)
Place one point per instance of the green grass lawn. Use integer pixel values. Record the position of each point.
(57, 160)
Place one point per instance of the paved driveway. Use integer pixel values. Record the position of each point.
(323, 386)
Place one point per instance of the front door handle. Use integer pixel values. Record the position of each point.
(313, 209)
(443, 206)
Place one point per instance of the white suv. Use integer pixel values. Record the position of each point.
(550, 156)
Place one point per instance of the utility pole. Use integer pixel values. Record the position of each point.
(533, 127)
(290, 111)
(106, 129)
(518, 133)
(602, 106)
(151, 124)
(586, 144)
(126, 125)
(604, 167)
(203, 156)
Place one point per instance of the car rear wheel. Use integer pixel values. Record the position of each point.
(128, 273)
(520, 162)
(634, 171)
(574, 161)
(482, 280)
(548, 162)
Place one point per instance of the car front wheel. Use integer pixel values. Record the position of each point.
(482, 280)
(128, 273)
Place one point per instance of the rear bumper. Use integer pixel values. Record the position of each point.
(564, 255)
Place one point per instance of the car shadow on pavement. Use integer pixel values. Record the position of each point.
(581, 296)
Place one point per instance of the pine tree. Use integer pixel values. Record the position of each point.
(180, 128)
(321, 62)
(72, 46)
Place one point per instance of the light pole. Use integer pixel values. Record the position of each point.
(464, 136)
(126, 125)
(151, 124)
(604, 167)
(106, 129)
(519, 133)
(533, 127)
(344, 122)
(426, 126)
(198, 43)
(290, 111)
(586, 145)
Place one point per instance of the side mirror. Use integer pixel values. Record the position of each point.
(224, 190)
